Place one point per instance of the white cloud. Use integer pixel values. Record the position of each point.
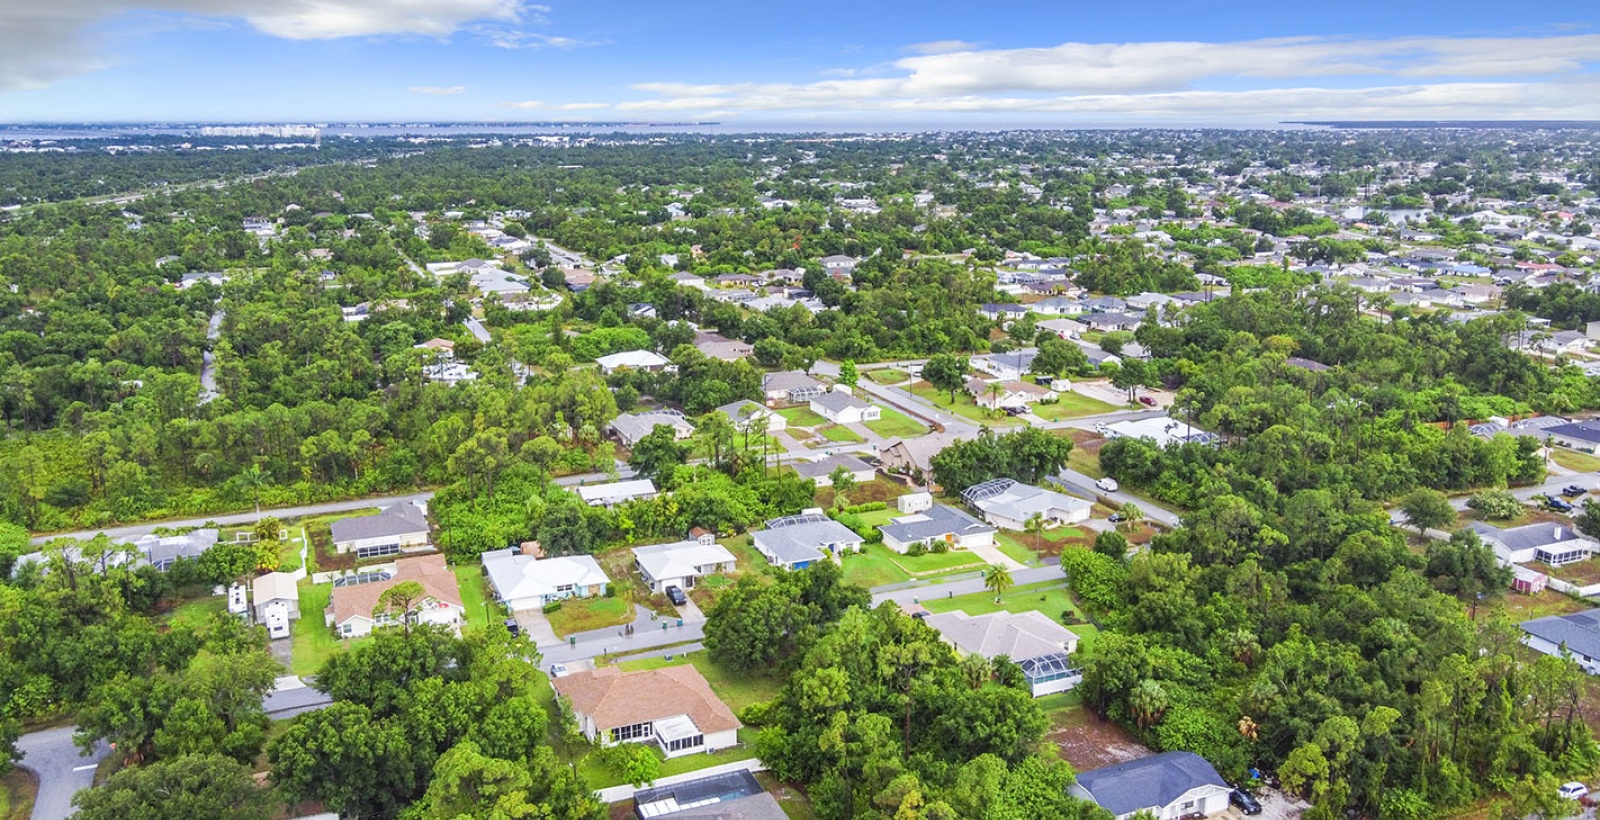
(1286, 78)
(943, 47)
(540, 105)
(438, 90)
(41, 42)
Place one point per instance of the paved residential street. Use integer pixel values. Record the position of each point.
(61, 769)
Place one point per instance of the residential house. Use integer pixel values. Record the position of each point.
(162, 551)
(1147, 300)
(1008, 504)
(1165, 431)
(1004, 314)
(681, 564)
(1013, 365)
(1042, 647)
(1063, 328)
(630, 427)
(1169, 786)
(391, 531)
(1550, 544)
(1583, 436)
(937, 524)
(1577, 635)
(821, 470)
(617, 492)
(998, 395)
(673, 708)
(840, 407)
(839, 264)
(716, 346)
(794, 541)
(521, 581)
(353, 607)
(1106, 322)
(913, 456)
(647, 360)
(277, 602)
(744, 412)
(791, 386)
(1105, 304)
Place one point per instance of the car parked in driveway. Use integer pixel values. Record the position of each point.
(1246, 801)
(1573, 491)
(1556, 504)
(676, 596)
(1573, 791)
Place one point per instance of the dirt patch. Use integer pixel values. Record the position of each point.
(1087, 440)
(1088, 741)
(329, 559)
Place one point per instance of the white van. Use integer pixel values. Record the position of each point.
(1107, 484)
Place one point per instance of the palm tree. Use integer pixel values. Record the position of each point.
(255, 481)
(997, 580)
(1035, 528)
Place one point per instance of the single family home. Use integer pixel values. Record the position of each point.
(821, 470)
(672, 708)
(1013, 365)
(647, 360)
(840, 407)
(1550, 544)
(1169, 785)
(1008, 504)
(791, 386)
(794, 541)
(390, 532)
(353, 607)
(682, 563)
(744, 412)
(1577, 634)
(521, 581)
(1012, 393)
(277, 602)
(1042, 647)
(938, 523)
(630, 427)
(617, 492)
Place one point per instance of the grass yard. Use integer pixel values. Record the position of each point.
(873, 568)
(802, 416)
(1072, 405)
(17, 792)
(964, 406)
(737, 689)
(1085, 462)
(895, 423)
(475, 597)
(1051, 598)
(1519, 607)
(878, 518)
(584, 614)
(597, 776)
(938, 563)
(314, 643)
(1053, 542)
(887, 375)
(1574, 460)
(193, 613)
(839, 434)
(795, 804)
(1016, 551)
(878, 489)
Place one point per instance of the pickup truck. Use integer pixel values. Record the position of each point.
(1573, 491)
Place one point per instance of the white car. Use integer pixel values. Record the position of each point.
(1574, 791)
(1107, 484)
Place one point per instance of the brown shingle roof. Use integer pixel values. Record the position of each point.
(615, 698)
(428, 570)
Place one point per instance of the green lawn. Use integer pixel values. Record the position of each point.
(17, 792)
(839, 434)
(1050, 598)
(938, 563)
(1085, 462)
(1016, 551)
(475, 595)
(596, 776)
(895, 423)
(964, 406)
(873, 567)
(887, 375)
(314, 643)
(878, 518)
(802, 416)
(737, 689)
(1574, 460)
(190, 615)
(1072, 405)
(583, 614)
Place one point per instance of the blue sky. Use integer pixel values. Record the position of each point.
(930, 62)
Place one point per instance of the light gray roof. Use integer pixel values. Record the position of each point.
(788, 380)
(1582, 431)
(742, 412)
(1018, 636)
(1153, 781)
(936, 522)
(1580, 631)
(162, 550)
(680, 559)
(635, 426)
(1016, 501)
(399, 519)
(802, 540)
(824, 467)
(1527, 536)
(837, 400)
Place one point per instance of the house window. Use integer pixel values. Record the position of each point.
(1560, 557)
(692, 742)
(378, 551)
(636, 731)
(346, 629)
(565, 589)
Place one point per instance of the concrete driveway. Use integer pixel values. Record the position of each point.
(61, 769)
(690, 612)
(537, 627)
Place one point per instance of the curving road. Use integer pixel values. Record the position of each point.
(62, 769)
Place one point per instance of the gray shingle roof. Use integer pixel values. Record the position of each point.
(823, 468)
(1527, 536)
(399, 519)
(1580, 631)
(935, 522)
(1153, 781)
(837, 400)
(804, 540)
(1582, 431)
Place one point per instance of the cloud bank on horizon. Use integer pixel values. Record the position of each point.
(480, 59)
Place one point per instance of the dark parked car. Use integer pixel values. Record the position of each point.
(1573, 491)
(1246, 801)
(676, 596)
(1115, 518)
(1015, 411)
(1557, 504)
